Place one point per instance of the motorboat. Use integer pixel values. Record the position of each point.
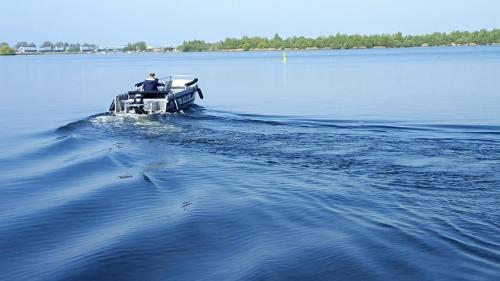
(179, 92)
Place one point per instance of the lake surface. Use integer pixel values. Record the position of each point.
(378, 164)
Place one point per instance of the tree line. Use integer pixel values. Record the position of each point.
(136, 47)
(337, 41)
(344, 41)
(5, 49)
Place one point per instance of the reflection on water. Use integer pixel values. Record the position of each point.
(238, 188)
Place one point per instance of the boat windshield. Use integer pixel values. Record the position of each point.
(176, 77)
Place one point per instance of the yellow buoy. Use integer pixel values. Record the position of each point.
(284, 56)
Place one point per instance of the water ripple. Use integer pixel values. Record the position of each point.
(216, 195)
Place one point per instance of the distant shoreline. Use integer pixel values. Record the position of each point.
(338, 41)
(250, 50)
(341, 49)
(347, 41)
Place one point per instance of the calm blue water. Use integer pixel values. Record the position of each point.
(339, 165)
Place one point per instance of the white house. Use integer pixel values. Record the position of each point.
(45, 49)
(86, 49)
(24, 50)
(59, 49)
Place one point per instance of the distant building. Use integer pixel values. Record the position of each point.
(59, 49)
(115, 49)
(24, 50)
(45, 49)
(86, 50)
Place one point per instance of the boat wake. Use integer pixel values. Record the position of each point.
(224, 195)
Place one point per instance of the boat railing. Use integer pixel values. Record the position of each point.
(177, 77)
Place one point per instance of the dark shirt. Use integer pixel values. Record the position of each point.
(150, 85)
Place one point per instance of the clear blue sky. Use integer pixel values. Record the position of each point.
(116, 22)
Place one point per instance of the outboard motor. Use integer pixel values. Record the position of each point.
(139, 103)
(138, 98)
